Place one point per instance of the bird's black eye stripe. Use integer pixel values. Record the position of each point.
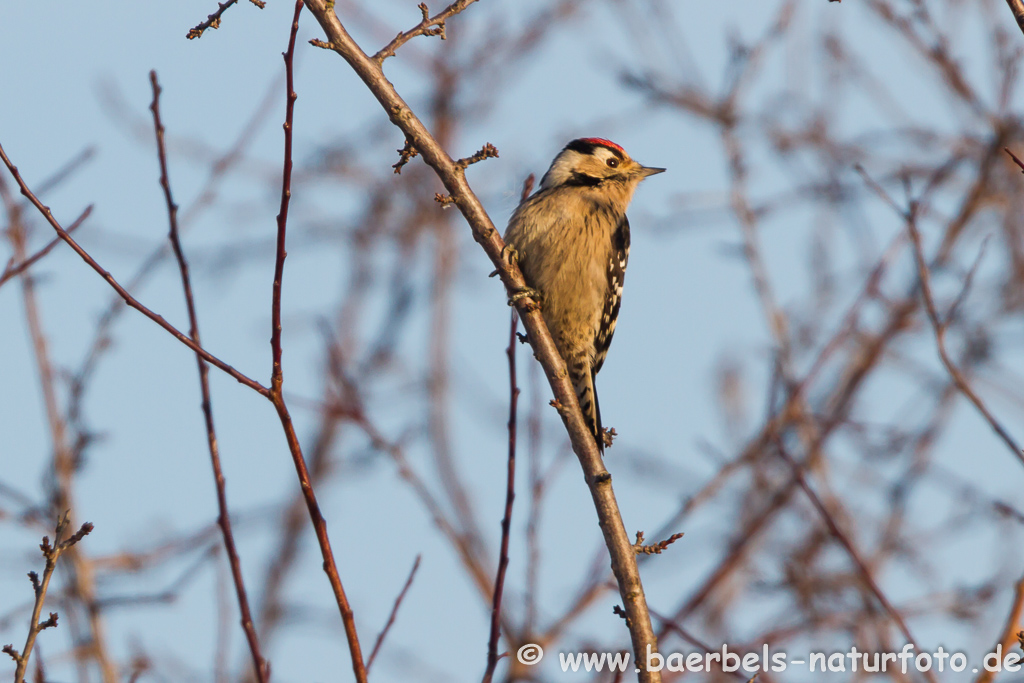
(578, 179)
(612, 162)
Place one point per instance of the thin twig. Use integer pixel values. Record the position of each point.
(653, 548)
(13, 269)
(213, 21)
(81, 584)
(39, 586)
(938, 326)
(852, 552)
(510, 496)
(260, 665)
(428, 26)
(276, 394)
(394, 613)
(128, 298)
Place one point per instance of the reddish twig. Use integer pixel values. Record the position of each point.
(394, 613)
(260, 665)
(15, 269)
(276, 394)
(128, 298)
(510, 496)
(1007, 149)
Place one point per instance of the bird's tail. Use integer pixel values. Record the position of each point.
(586, 393)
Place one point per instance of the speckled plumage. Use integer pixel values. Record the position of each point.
(572, 242)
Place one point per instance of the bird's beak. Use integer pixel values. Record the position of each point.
(645, 171)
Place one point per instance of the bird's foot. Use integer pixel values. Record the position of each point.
(509, 254)
(524, 293)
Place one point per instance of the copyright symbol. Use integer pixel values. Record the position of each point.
(530, 654)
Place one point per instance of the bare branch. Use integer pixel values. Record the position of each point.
(510, 496)
(394, 613)
(938, 326)
(654, 548)
(598, 478)
(428, 26)
(128, 298)
(404, 155)
(51, 553)
(488, 151)
(260, 666)
(276, 394)
(13, 270)
(213, 21)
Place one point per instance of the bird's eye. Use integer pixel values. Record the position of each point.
(613, 162)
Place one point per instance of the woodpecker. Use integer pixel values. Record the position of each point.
(571, 241)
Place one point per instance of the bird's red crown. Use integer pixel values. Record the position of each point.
(606, 143)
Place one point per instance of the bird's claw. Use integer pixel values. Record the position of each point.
(525, 292)
(509, 254)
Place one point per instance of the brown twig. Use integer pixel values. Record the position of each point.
(51, 553)
(14, 269)
(128, 298)
(404, 155)
(276, 395)
(260, 665)
(81, 584)
(510, 496)
(488, 151)
(938, 325)
(213, 21)
(394, 613)
(653, 548)
(598, 479)
(428, 26)
(852, 552)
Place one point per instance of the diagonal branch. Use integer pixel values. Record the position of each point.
(394, 612)
(938, 325)
(1017, 7)
(128, 298)
(598, 479)
(851, 550)
(15, 269)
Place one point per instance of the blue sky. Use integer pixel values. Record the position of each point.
(77, 78)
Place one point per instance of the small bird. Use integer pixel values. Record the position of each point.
(571, 240)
